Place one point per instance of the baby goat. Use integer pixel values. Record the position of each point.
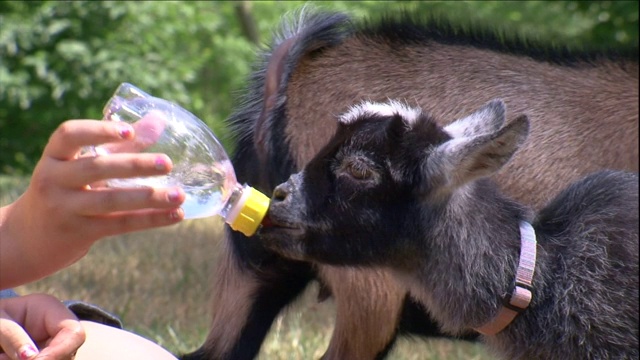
(394, 190)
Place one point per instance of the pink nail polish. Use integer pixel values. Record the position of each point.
(27, 352)
(174, 195)
(124, 130)
(161, 163)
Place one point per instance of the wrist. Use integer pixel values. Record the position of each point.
(29, 250)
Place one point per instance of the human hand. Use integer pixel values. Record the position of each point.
(38, 321)
(65, 209)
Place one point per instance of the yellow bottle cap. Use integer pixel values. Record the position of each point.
(252, 211)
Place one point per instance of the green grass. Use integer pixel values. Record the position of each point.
(11, 187)
(157, 282)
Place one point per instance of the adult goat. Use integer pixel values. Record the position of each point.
(583, 109)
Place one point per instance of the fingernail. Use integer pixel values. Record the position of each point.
(27, 352)
(124, 130)
(174, 195)
(161, 163)
(176, 214)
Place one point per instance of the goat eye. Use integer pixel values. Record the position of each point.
(358, 168)
(359, 171)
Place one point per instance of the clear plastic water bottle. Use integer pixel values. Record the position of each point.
(200, 164)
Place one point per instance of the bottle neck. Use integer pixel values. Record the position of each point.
(232, 207)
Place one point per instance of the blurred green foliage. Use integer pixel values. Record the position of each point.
(61, 60)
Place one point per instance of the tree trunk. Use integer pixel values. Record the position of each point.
(247, 22)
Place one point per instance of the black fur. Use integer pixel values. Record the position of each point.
(403, 28)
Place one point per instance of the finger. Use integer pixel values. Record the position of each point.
(103, 201)
(89, 170)
(15, 341)
(67, 140)
(136, 221)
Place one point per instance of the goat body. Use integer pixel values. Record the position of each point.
(393, 189)
(584, 114)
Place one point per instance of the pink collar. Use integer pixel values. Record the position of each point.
(519, 299)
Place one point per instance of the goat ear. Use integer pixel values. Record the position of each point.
(462, 160)
(486, 120)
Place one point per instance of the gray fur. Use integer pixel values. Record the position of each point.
(479, 147)
(478, 122)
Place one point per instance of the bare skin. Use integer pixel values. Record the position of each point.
(107, 343)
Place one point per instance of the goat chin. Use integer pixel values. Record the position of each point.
(288, 242)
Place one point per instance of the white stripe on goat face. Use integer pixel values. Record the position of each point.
(373, 109)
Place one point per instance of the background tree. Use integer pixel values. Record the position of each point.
(63, 59)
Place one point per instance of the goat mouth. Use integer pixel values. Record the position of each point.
(274, 226)
(274, 222)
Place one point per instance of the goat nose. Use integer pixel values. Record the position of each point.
(280, 192)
